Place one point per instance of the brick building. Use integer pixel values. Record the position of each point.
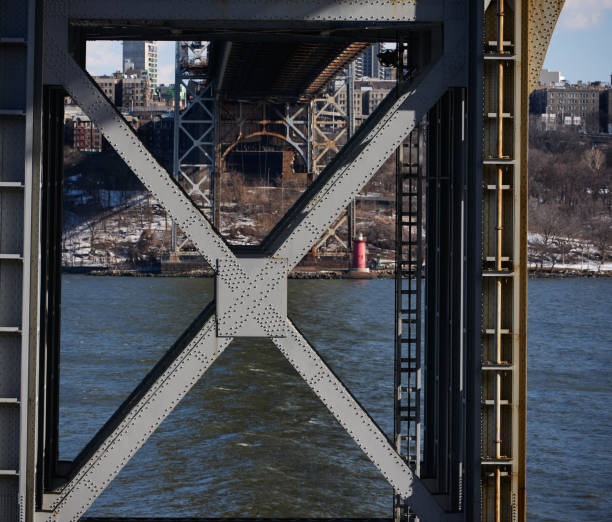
(109, 84)
(82, 135)
(373, 93)
(157, 134)
(134, 90)
(357, 105)
(576, 105)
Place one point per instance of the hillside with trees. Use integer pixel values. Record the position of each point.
(570, 200)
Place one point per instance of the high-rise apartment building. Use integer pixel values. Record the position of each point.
(141, 55)
(371, 65)
(367, 65)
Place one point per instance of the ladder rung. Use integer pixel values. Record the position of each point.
(11, 184)
(498, 367)
(409, 340)
(503, 461)
(497, 274)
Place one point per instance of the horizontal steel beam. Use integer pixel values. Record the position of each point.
(285, 10)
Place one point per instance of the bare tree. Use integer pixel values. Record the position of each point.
(93, 227)
(544, 220)
(602, 239)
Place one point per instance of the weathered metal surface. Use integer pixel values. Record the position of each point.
(256, 307)
(542, 17)
(19, 156)
(293, 10)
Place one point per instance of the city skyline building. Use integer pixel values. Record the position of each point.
(141, 55)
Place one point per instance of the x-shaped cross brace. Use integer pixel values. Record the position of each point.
(251, 292)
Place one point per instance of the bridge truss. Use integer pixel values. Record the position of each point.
(464, 458)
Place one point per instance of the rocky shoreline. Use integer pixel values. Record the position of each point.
(534, 273)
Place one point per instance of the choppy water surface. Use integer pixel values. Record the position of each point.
(251, 439)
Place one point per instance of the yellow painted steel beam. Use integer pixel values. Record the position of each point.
(542, 19)
(517, 35)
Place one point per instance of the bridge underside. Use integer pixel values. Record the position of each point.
(463, 456)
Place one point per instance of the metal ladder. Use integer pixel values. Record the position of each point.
(408, 309)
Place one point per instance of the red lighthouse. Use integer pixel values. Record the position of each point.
(359, 255)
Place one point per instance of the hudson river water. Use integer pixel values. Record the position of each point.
(251, 440)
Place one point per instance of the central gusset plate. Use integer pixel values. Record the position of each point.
(251, 297)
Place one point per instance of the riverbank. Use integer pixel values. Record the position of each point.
(534, 273)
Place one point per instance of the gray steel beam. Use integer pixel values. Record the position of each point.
(268, 10)
(444, 410)
(50, 288)
(473, 264)
(138, 417)
(19, 254)
(362, 428)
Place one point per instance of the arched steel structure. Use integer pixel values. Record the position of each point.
(246, 138)
(471, 67)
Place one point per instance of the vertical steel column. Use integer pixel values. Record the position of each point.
(195, 165)
(215, 180)
(50, 286)
(444, 442)
(473, 256)
(19, 221)
(504, 269)
(177, 119)
(350, 130)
